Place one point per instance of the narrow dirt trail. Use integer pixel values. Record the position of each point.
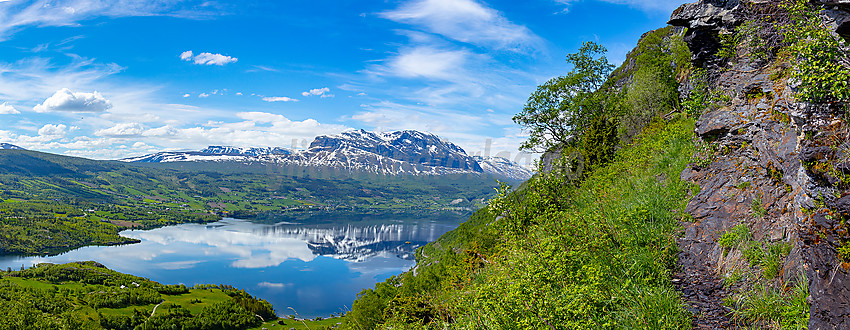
(155, 307)
(701, 289)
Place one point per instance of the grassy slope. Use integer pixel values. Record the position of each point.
(594, 256)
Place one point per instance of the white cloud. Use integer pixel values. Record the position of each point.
(187, 95)
(663, 6)
(122, 130)
(279, 99)
(6, 109)
(323, 92)
(207, 58)
(203, 95)
(25, 81)
(164, 131)
(53, 131)
(20, 14)
(467, 21)
(273, 285)
(65, 100)
(187, 55)
(390, 116)
(427, 62)
(260, 129)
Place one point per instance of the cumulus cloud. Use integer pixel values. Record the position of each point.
(122, 130)
(187, 55)
(164, 131)
(6, 109)
(323, 92)
(467, 21)
(279, 99)
(53, 131)
(203, 95)
(207, 58)
(68, 101)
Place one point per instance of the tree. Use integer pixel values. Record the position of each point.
(560, 110)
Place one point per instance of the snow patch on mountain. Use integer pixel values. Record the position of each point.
(504, 167)
(392, 153)
(10, 146)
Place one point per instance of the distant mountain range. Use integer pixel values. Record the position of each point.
(394, 153)
(10, 146)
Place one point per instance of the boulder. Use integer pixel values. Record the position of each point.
(842, 205)
(715, 124)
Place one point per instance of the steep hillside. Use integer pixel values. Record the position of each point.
(708, 194)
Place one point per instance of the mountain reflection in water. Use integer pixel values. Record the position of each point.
(317, 269)
(358, 243)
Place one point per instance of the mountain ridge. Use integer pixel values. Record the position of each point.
(393, 153)
(8, 146)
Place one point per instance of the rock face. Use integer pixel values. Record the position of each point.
(704, 20)
(784, 154)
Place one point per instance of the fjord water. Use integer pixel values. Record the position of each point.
(313, 269)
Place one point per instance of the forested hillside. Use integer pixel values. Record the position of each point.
(51, 203)
(86, 295)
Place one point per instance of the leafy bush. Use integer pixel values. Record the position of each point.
(735, 237)
(818, 56)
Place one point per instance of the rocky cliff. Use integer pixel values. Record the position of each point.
(771, 162)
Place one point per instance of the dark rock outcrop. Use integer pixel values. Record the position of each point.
(705, 20)
(788, 153)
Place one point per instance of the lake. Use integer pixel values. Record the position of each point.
(304, 266)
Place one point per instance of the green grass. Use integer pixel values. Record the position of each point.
(206, 296)
(596, 256)
(735, 237)
(764, 306)
(758, 209)
(301, 325)
(75, 296)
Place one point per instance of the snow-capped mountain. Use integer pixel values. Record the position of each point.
(222, 150)
(211, 153)
(394, 153)
(504, 167)
(10, 146)
(390, 153)
(358, 243)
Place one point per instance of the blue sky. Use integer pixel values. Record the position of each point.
(112, 79)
